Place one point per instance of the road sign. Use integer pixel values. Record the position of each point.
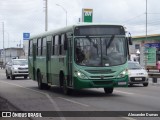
(87, 15)
(26, 36)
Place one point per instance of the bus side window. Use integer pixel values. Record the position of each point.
(39, 43)
(53, 45)
(56, 47)
(30, 47)
(62, 44)
(44, 46)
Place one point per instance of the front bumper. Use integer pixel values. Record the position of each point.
(100, 83)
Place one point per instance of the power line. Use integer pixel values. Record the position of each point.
(133, 18)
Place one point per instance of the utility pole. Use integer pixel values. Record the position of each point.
(46, 15)
(4, 53)
(146, 19)
(146, 39)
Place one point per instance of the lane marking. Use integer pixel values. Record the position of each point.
(23, 87)
(74, 101)
(47, 95)
(129, 93)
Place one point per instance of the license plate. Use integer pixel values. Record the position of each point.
(138, 78)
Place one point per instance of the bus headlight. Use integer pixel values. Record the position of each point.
(123, 73)
(80, 75)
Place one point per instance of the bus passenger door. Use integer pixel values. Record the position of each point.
(69, 82)
(48, 64)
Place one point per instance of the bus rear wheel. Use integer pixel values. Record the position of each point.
(39, 79)
(108, 90)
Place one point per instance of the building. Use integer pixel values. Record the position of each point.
(141, 42)
(10, 53)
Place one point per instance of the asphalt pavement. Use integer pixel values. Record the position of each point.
(24, 95)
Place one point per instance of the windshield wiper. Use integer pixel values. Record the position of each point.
(110, 41)
(90, 40)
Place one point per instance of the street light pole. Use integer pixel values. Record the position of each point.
(64, 10)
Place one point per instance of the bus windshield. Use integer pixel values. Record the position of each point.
(100, 51)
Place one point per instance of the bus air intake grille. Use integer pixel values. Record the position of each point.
(101, 77)
(108, 71)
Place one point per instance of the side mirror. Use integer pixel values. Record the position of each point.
(65, 42)
(130, 41)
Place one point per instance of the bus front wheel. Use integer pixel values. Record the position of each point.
(108, 90)
(66, 90)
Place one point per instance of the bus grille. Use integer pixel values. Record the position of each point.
(108, 71)
(101, 77)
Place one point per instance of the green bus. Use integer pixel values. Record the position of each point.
(80, 56)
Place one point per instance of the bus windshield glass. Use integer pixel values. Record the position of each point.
(100, 51)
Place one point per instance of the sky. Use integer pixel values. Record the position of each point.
(28, 16)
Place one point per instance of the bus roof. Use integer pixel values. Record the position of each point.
(69, 28)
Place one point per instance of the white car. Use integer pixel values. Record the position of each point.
(16, 68)
(137, 74)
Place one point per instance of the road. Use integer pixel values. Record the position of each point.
(25, 96)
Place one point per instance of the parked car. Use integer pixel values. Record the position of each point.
(137, 74)
(16, 68)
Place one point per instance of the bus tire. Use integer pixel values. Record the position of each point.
(41, 85)
(66, 90)
(108, 90)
